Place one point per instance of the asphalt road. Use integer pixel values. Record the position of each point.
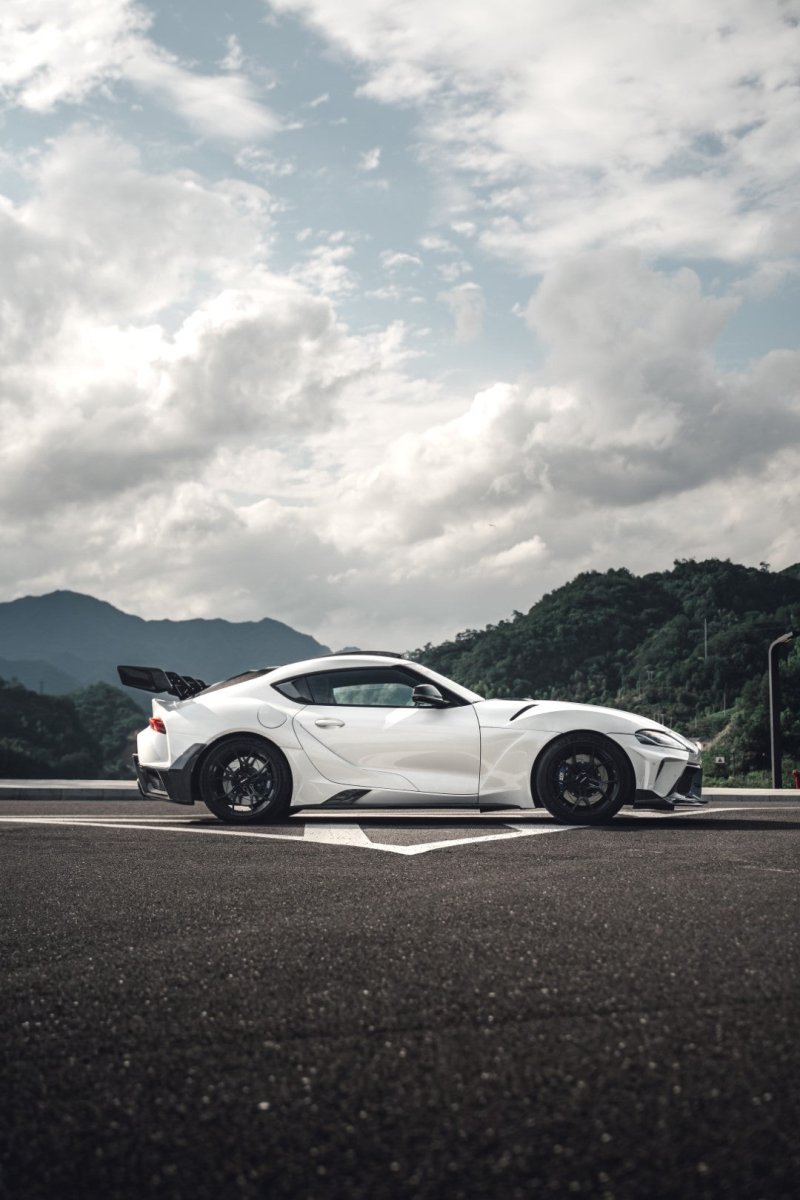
(399, 1008)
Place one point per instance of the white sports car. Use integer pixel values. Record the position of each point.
(374, 730)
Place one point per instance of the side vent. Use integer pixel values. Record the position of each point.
(345, 799)
(525, 708)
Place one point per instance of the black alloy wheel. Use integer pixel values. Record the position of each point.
(584, 779)
(245, 781)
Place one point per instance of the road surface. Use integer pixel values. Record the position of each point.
(459, 1007)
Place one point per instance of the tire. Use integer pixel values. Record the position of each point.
(245, 781)
(584, 779)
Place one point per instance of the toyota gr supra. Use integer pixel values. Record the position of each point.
(374, 730)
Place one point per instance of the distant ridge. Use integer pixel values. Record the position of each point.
(687, 646)
(67, 638)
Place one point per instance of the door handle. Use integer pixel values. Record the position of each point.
(328, 722)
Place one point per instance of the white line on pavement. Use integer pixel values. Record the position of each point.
(339, 833)
(347, 835)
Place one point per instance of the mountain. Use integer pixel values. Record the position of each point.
(686, 646)
(48, 642)
(38, 676)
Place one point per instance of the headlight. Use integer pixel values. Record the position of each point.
(657, 737)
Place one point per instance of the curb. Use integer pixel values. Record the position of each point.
(751, 793)
(69, 789)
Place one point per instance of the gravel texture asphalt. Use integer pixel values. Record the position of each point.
(607, 1013)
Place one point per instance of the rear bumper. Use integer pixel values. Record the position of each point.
(687, 791)
(173, 783)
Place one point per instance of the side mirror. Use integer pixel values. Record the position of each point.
(427, 695)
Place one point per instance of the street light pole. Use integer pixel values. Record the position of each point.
(776, 747)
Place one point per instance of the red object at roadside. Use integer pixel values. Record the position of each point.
(796, 777)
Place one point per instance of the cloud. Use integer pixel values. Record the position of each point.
(55, 52)
(58, 51)
(392, 259)
(234, 59)
(192, 428)
(134, 347)
(632, 417)
(567, 128)
(370, 160)
(126, 241)
(467, 304)
(163, 391)
(222, 106)
(326, 269)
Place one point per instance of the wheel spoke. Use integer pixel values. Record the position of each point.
(584, 780)
(245, 780)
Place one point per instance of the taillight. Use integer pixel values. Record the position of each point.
(157, 724)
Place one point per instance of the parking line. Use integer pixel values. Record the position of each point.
(346, 835)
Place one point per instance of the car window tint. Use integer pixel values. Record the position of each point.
(294, 689)
(383, 687)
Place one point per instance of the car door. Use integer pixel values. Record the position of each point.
(362, 730)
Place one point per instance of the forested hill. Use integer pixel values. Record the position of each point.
(686, 646)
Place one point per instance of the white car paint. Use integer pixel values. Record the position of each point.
(478, 752)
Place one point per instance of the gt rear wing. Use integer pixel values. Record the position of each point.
(153, 679)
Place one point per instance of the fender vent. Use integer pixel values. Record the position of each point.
(522, 710)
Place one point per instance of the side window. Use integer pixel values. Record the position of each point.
(294, 689)
(378, 687)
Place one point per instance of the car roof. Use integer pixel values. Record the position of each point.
(366, 658)
(331, 662)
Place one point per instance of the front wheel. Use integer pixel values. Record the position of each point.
(245, 781)
(584, 779)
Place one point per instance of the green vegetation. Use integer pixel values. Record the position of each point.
(112, 719)
(88, 735)
(687, 647)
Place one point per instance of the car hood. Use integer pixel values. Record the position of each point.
(550, 714)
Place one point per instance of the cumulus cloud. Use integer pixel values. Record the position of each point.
(170, 395)
(467, 304)
(580, 126)
(632, 420)
(55, 52)
(134, 346)
(166, 391)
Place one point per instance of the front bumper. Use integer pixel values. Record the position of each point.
(169, 783)
(687, 791)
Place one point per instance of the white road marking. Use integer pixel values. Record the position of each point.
(337, 834)
(519, 831)
(342, 833)
(709, 812)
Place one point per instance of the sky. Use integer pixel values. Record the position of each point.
(383, 318)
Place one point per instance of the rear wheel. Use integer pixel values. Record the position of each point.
(245, 781)
(584, 779)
